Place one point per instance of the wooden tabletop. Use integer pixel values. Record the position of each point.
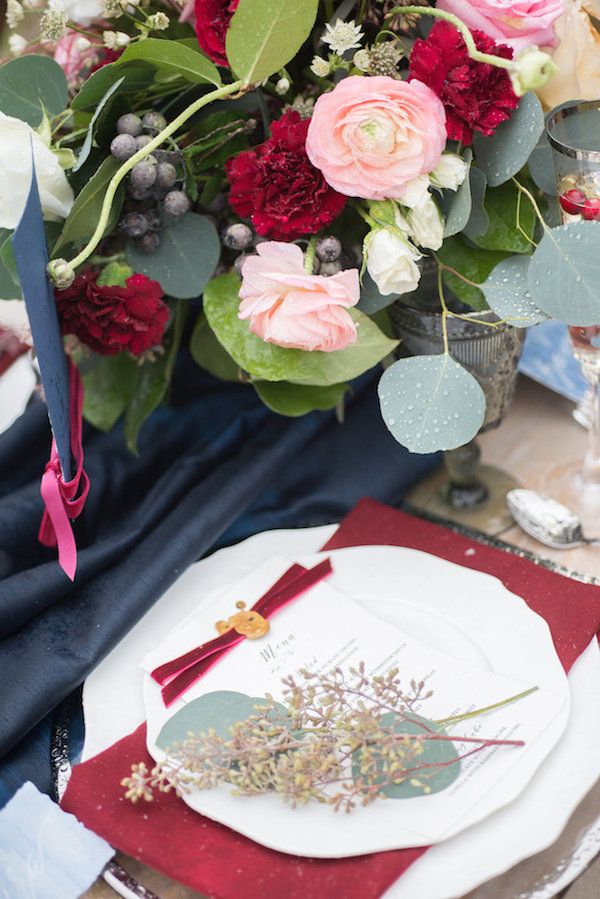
(538, 434)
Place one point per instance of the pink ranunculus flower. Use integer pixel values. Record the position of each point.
(287, 307)
(74, 53)
(518, 23)
(372, 136)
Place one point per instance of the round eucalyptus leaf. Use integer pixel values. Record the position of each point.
(507, 293)
(479, 220)
(186, 258)
(431, 403)
(564, 275)
(219, 710)
(371, 300)
(441, 755)
(457, 205)
(30, 86)
(506, 152)
(541, 166)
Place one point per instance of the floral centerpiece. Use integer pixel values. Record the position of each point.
(291, 163)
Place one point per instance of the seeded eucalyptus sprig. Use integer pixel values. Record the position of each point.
(341, 740)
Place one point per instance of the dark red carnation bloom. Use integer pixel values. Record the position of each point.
(130, 319)
(277, 187)
(477, 96)
(212, 21)
(105, 58)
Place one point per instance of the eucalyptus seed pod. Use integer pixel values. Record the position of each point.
(143, 175)
(176, 203)
(129, 123)
(153, 122)
(237, 237)
(123, 146)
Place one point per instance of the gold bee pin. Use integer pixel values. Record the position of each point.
(247, 622)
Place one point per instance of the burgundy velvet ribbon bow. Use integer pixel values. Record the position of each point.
(180, 674)
(64, 500)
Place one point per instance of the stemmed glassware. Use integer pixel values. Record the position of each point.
(573, 130)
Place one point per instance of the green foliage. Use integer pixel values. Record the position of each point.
(506, 152)
(186, 258)
(83, 217)
(431, 403)
(565, 273)
(172, 58)
(478, 222)
(473, 263)
(30, 85)
(457, 205)
(89, 137)
(109, 384)
(507, 210)
(371, 301)
(267, 362)
(294, 400)
(137, 77)
(508, 295)
(264, 35)
(9, 287)
(208, 353)
(440, 752)
(215, 138)
(219, 710)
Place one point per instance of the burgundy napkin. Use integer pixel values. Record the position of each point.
(218, 862)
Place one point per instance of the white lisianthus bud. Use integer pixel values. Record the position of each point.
(14, 13)
(114, 40)
(392, 262)
(282, 86)
(158, 22)
(531, 70)
(62, 273)
(17, 44)
(425, 224)
(320, 67)
(415, 191)
(450, 172)
(17, 139)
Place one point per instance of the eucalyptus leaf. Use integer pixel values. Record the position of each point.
(479, 221)
(83, 217)
(89, 137)
(431, 403)
(186, 258)
(541, 166)
(138, 77)
(472, 263)
(219, 710)
(371, 300)
(174, 58)
(30, 86)
(457, 205)
(506, 152)
(504, 209)
(267, 362)
(208, 353)
(294, 400)
(564, 275)
(507, 293)
(109, 385)
(264, 35)
(435, 752)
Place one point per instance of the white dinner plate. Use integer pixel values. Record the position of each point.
(113, 705)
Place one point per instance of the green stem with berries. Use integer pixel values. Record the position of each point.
(218, 94)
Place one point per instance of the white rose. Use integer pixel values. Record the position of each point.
(415, 191)
(425, 225)
(392, 262)
(16, 140)
(450, 172)
(84, 12)
(13, 318)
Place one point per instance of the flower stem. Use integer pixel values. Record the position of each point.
(309, 256)
(444, 312)
(116, 179)
(487, 708)
(474, 53)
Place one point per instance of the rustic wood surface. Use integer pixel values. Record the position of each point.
(538, 433)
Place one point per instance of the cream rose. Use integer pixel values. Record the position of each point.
(577, 57)
(16, 140)
(371, 137)
(392, 262)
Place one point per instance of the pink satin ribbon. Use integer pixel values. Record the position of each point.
(64, 500)
(181, 673)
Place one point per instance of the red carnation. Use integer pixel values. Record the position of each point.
(212, 21)
(477, 96)
(130, 319)
(277, 187)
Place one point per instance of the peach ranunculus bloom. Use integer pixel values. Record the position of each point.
(287, 307)
(577, 56)
(372, 136)
(518, 23)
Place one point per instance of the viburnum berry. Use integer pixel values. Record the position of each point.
(591, 210)
(572, 201)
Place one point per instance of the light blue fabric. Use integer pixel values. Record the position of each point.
(548, 358)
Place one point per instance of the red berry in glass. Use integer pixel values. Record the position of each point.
(591, 210)
(573, 201)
